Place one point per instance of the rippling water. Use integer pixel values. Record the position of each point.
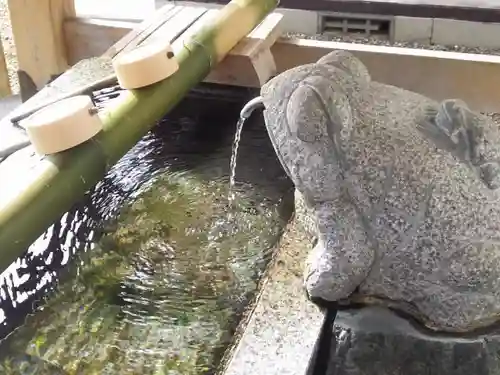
(157, 268)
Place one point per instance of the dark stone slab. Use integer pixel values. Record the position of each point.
(468, 10)
(376, 341)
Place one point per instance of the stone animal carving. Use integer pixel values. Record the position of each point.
(402, 191)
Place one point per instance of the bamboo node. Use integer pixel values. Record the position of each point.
(208, 55)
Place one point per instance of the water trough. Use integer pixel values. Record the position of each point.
(254, 288)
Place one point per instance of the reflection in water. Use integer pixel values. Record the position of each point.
(160, 266)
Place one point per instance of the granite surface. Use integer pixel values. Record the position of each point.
(281, 333)
(284, 328)
(404, 192)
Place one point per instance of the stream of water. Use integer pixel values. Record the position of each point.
(234, 157)
(149, 274)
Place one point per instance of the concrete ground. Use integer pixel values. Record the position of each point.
(10, 137)
(8, 104)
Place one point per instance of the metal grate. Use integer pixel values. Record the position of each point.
(362, 25)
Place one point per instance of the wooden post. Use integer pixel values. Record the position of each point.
(5, 89)
(37, 26)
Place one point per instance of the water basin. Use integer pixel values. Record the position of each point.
(152, 271)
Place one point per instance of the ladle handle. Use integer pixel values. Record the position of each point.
(106, 81)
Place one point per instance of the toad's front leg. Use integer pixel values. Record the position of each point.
(343, 255)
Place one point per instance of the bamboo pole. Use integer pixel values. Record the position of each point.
(64, 178)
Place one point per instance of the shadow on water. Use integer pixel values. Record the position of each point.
(151, 271)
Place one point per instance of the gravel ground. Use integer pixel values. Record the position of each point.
(384, 42)
(8, 45)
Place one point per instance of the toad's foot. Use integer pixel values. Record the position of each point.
(342, 257)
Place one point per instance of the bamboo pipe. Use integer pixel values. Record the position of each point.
(58, 181)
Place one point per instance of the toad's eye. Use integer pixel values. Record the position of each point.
(305, 115)
(319, 110)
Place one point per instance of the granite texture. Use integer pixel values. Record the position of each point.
(374, 340)
(280, 334)
(402, 189)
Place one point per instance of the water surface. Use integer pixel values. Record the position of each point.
(153, 268)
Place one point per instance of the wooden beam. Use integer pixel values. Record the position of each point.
(439, 75)
(92, 37)
(141, 31)
(87, 38)
(37, 26)
(251, 62)
(466, 10)
(180, 22)
(177, 26)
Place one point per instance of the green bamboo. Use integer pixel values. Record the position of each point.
(64, 178)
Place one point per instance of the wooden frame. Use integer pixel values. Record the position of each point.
(436, 74)
(37, 26)
(87, 38)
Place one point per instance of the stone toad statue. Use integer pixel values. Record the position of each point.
(402, 190)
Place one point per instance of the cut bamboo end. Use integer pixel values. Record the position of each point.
(63, 125)
(145, 65)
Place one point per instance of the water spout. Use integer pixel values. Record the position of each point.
(252, 105)
(245, 113)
